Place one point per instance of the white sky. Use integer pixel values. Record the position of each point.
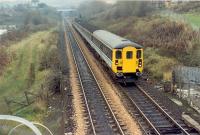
(66, 2)
(57, 2)
(52, 2)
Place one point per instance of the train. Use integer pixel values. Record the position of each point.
(123, 57)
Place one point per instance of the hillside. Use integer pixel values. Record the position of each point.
(32, 68)
(29, 66)
(167, 42)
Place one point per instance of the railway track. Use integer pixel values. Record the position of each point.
(153, 118)
(102, 119)
(150, 113)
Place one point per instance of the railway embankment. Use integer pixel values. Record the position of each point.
(30, 78)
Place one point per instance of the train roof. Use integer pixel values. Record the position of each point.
(114, 41)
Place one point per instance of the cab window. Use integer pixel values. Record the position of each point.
(139, 54)
(129, 54)
(118, 54)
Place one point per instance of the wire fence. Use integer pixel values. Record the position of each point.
(186, 81)
(13, 104)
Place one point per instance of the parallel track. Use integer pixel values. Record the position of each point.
(101, 117)
(158, 120)
(152, 117)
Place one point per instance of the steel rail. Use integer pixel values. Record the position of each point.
(85, 99)
(163, 111)
(143, 115)
(135, 105)
(103, 95)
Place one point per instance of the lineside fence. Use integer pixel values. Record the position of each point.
(14, 104)
(186, 84)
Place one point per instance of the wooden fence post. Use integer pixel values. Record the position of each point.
(27, 99)
(8, 105)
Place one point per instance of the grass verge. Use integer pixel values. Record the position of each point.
(33, 61)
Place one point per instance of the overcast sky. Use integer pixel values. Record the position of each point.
(49, 2)
(57, 2)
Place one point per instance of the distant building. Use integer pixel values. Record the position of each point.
(170, 3)
(3, 31)
(8, 27)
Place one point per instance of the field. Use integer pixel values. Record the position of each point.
(193, 19)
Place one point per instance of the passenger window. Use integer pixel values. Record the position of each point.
(129, 54)
(118, 54)
(139, 54)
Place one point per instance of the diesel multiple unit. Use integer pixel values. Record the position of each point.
(123, 57)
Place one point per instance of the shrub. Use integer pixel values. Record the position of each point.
(155, 64)
(172, 36)
(4, 59)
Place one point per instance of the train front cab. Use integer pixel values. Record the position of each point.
(127, 63)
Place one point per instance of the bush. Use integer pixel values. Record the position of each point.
(155, 64)
(4, 59)
(49, 56)
(171, 38)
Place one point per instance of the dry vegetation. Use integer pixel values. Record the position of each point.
(33, 67)
(27, 20)
(172, 40)
(4, 59)
(29, 64)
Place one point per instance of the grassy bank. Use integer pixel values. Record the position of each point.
(31, 65)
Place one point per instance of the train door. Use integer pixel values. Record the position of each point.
(117, 61)
(139, 58)
(129, 60)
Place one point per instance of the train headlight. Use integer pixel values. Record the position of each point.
(140, 63)
(116, 62)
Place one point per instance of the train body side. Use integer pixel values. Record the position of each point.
(92, 42)
(125, 60)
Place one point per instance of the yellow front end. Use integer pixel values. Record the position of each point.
(127, 61)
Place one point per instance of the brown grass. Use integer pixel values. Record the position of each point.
(172, 36)
(4, 59)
